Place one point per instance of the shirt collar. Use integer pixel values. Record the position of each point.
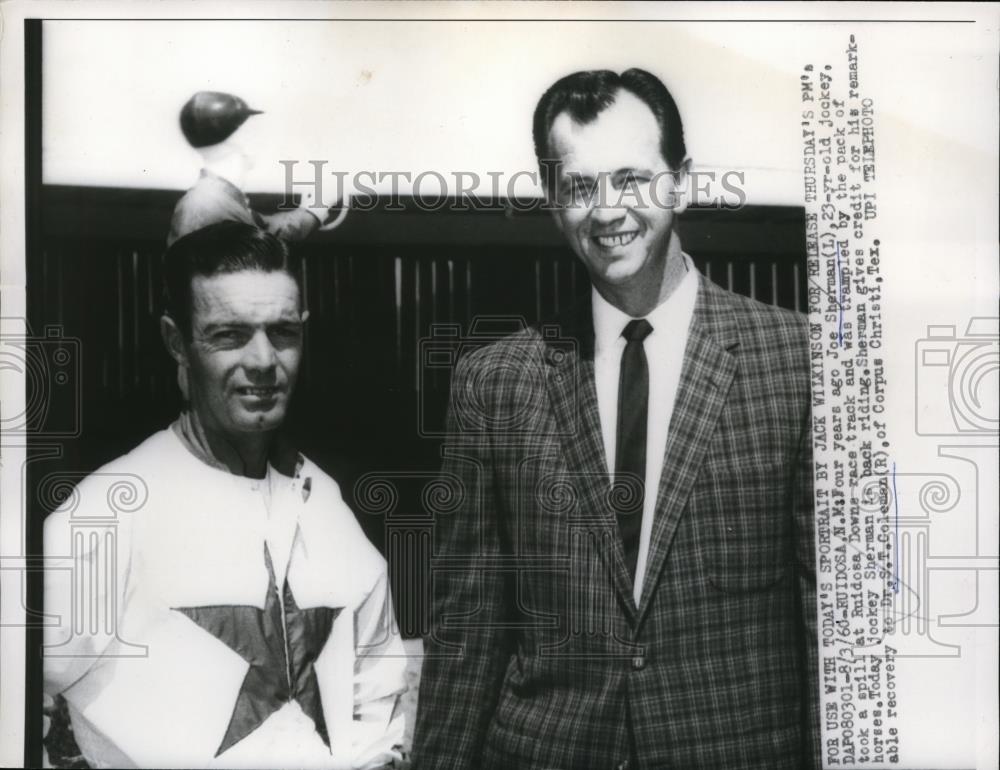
(674, 313)
(189, 431)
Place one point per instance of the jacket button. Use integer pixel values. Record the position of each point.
(623, 765)
(638, 663)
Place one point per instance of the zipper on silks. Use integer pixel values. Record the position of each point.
(279, 590)
(284, 635)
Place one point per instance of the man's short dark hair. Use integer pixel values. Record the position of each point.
(223, 247)
(584, 95)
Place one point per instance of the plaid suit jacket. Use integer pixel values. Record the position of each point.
(538, 651)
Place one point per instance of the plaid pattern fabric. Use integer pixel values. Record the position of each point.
(538, 649)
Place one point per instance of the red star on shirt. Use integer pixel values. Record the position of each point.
(260, 638)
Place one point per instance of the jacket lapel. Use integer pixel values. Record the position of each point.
(708, 370)
(572, 391)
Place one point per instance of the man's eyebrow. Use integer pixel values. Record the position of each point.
(570, 176)
(215, 325)
(634, 170)
(211, 326)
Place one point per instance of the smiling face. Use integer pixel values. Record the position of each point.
(245, 349)
(617, 196)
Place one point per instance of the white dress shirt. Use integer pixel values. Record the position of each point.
(664, 349)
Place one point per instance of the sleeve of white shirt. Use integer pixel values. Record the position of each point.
(85, 581)
(380, 662)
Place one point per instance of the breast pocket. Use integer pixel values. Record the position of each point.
(746, 511)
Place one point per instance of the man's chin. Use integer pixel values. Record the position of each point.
(620, 271)
(260, 422)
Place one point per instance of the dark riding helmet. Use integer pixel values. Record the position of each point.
(210, 117)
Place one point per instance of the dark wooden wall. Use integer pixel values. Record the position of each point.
(380, 289)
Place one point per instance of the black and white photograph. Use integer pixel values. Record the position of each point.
(528, 386)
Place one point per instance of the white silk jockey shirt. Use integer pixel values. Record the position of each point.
(201, 619)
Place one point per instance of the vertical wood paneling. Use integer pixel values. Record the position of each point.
(120, 326)
(536, 263)
(797, 296)
(349, 300)
(397, 272)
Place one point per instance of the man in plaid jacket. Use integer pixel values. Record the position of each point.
(628, 580)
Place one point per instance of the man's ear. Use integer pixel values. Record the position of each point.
(304, 316)
(550, 183)
(682, 186)
(173, 340)
(555, 207)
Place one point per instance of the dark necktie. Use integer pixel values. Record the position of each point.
(630, 452)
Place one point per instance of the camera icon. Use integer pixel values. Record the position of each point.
(50, 365)
(962, 372)
(504, 394)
